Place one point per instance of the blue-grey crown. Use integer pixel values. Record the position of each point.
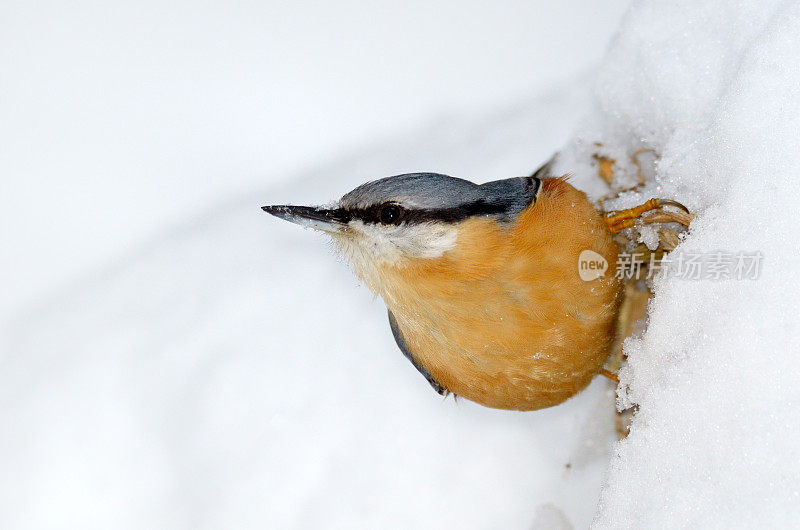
(432, 196)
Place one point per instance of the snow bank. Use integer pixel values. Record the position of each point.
(712, 89)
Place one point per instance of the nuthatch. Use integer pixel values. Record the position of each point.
(481, 281)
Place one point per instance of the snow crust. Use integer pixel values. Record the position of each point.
(712, 89)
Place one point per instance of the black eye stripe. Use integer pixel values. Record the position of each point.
(447, 215)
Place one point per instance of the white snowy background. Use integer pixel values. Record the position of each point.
(174, 358)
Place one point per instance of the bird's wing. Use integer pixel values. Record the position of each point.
(401, 343)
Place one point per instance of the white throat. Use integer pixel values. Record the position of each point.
(371, 247)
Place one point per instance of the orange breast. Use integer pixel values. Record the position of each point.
(504, 319)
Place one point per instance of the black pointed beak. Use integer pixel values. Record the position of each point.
(326, 219)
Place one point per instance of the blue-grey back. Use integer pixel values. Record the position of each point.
(433, 191)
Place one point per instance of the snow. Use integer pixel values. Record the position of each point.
(230, 373)
(712, 89)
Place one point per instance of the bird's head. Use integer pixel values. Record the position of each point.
(398, 220)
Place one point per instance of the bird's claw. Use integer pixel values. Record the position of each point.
(622, 219)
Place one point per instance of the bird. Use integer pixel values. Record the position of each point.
(481, 281)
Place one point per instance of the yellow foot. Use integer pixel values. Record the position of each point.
(622, 219)
(609, 375)
(605, 168)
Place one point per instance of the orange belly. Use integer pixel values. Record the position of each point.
(504, 318)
